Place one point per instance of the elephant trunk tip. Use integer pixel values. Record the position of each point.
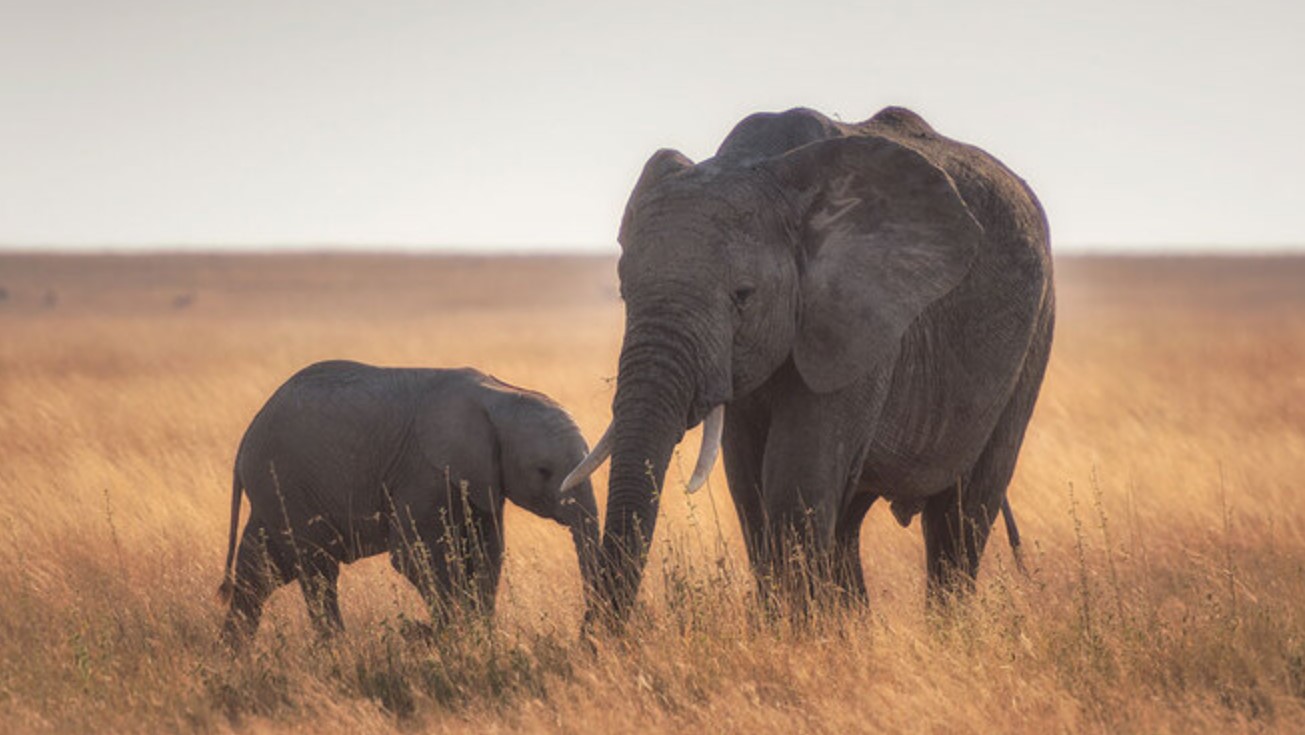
(580, 514)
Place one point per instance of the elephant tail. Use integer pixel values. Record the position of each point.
(1013, 534)
(227, 589)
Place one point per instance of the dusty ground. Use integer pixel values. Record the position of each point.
(1160, 493)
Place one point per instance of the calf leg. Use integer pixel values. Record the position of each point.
(484, 562)
(319, 583)
(262, 565)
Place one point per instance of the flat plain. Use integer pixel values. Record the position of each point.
(1159, 493)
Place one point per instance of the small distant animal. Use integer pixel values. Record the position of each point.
(347, 460)
(182, 301)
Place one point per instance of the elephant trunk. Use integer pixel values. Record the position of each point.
(580, 515)
(656, 388)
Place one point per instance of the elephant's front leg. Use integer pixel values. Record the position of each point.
(747, 422)
(484, 562)
(814, 453)
(433, 562)
(848, 575)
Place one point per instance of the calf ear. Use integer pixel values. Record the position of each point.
(462, 441)
(885, 234)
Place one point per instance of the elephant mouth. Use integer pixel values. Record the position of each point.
(703, 403)
(698, 411)
(713, 425)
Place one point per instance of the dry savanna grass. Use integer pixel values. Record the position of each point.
(1158, 494)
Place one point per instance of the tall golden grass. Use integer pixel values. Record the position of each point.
(1159, 493)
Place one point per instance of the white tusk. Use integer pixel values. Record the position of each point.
(601, 451)
(712, 427)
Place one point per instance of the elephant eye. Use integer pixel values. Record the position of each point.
(545, 473)
(741, 295)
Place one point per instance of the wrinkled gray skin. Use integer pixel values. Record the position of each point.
(355, 460)
(873, 305)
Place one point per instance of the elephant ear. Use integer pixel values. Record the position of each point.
(458, 438)
(662, 165)
(884, 234)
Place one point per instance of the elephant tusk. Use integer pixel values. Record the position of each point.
(599, 454)
(712, 427)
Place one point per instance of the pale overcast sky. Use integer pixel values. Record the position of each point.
(524, 124)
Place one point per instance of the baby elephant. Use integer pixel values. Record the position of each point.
(348, 460)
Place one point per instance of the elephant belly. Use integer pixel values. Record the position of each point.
(917, 453)
(357, 537)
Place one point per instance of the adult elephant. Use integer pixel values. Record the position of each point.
(862, 310)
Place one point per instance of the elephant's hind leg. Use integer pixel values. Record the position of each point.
(262, 565)
(319, 583)
(956, 526)
(957, 522)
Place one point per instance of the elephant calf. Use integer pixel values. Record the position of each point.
(348, 460)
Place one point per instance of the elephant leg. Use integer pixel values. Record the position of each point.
(957, 522)
(319, 583)
(799, 505)
(956, 526)
(262, 566)
(848, 574)
(744, 440)
(424, 565)
(814, 453)
(452, 554)
(484, 562)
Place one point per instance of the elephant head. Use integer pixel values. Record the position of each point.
(801, 239)
(538, 444)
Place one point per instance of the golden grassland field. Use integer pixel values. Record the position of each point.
(1159, 493)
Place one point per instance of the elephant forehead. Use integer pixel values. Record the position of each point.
(673, 216)
(686, 228)
(710, 189)
(691, 262)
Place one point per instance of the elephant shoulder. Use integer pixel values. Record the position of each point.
(767, 134)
